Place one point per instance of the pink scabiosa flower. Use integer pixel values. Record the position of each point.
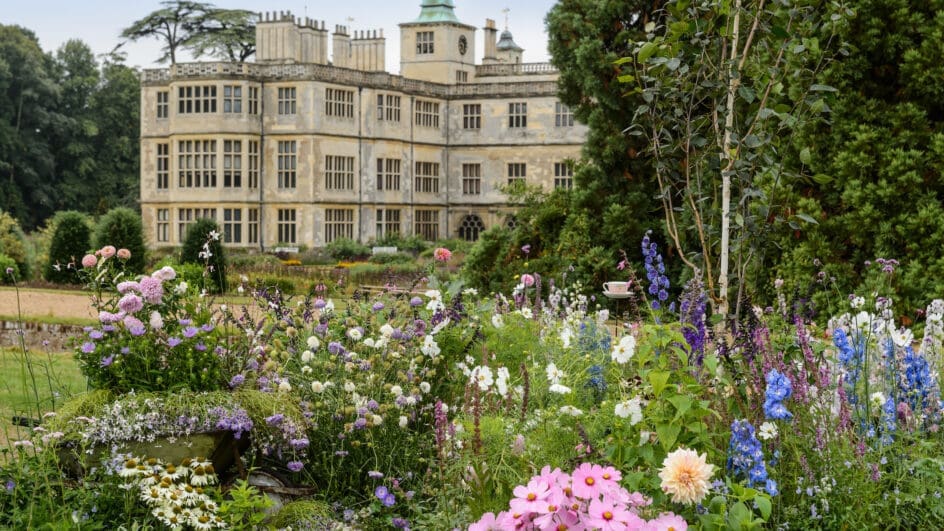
(527, 279)
(107, 251)
(531, 497)
(130, 303)
(124, 254)
(685, 476)
(152, 290)
(588, 481)
(89, 260)
(442, 254)
(110, 318)
(606, 515)
(128, 285)
(667, 522)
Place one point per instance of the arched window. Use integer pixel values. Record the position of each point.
(471, 227)
(511, 222)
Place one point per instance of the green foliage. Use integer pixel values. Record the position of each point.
(13, 243)
(203, 246)
(8, 263)
(245, 506)
(485, 263)
(70, 241)
(227, 34)
(396, 273)
(391, 258)
(302, 514)
(411, 244)
(285, 285)
(121, 227)
(174, 24)
(347, 249)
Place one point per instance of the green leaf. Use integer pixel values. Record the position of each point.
(673, 64)
(658, 379)
(780, 32)
(682, 404)
(623, 61)
(747, 93)
(822, 178)
(739, 220)
(822, 88)
(752, 141)
(805, 156)
(668, 434)
(739, 516)
(626, 78)
(763, 503)
(646, 52)
(807, 219)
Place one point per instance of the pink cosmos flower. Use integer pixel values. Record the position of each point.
(667, 522)
(606, 515)
(107, 251)
(527, 279)
(587, 481)
(442, 254)
(488, 522)
(530, 498)
(124, 254)
(89, 260)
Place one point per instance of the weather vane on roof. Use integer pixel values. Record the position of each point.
(506, 11)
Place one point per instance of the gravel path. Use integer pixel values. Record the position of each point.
(43, 303)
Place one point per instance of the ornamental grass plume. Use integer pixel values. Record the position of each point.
(685, 475)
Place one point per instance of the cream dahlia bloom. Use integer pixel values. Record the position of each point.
(685, 475)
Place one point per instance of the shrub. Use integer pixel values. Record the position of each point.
(71, 239)
(121, 227)
(285, 285)
(487, 260)
(13, 244)
(411, 244)
(347, 249)
(8, 263)
(392, 258)
(201, 247)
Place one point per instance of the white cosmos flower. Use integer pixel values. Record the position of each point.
(430, 348)
(566, 335)
(554, 374)
(181, 288)
(857, 302)
(501, 383)
(329, 307)
(403, 421)
(902, 337)
(526, 313)
(767, 431)
(624, 350)
(497, 321)
(482, 376)
(630, 409)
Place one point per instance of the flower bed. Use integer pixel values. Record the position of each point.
(449, 409)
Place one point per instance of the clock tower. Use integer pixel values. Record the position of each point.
(436, 46)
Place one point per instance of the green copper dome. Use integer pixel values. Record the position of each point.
(437, 11)
(507, 42)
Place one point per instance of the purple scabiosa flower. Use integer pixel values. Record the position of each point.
(137, 330)
(335, 348)
(236, 381)
(208, 327)
(125, 350)
(10, 485)
(400, 523)
(373, 405)
(378, 306)
(184, 322)
(341, 453)
(416, 301)
(173, 341)
(275, 420)
(299, 444)
(419, 327)
(108, 328)
(374, 474)
(109, 318)
(96, 334)
(381, 492)
(389, 500)
(200, 347)
(131, 321)
(190, 331)
(319, 304)
(360, 423)
(295, 466)
(107, 361)
(88, 347)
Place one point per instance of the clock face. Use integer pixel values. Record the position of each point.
(463, 44)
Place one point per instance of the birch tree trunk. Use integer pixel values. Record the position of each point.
(727, 164)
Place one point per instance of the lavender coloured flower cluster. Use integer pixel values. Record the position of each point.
(746, 457)
(779, 388)
(655, 272)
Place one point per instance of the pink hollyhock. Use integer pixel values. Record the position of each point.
(587, 481)
(124, 254)
(606, 515)
(530, 498)
(108, 251)
(667, 522)
(130, 303)
(527, 279)
(152, 290)
(442, 254)
(89, 260)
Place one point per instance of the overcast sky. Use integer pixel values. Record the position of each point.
(99, 22)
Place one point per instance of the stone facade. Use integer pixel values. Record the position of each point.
(291, 150)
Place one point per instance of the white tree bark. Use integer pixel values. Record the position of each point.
(727, 163)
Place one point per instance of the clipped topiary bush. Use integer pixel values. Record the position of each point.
(70, 241)
(202, 246)
(13, 243)
(122, 228)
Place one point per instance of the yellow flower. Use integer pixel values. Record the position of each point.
(685, 476)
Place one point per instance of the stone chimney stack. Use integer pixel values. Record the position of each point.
(341, 47)
(491, 38)
(368, 51)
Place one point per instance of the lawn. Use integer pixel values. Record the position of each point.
(56, 375)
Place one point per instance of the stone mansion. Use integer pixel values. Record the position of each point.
(295, 150)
